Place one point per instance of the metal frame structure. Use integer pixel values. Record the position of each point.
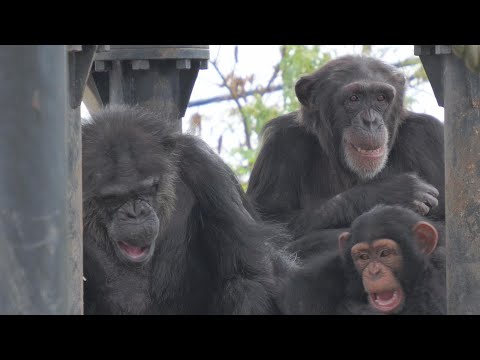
(157, 76)
(41, 89)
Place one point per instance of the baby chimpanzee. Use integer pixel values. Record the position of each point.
(388, 263)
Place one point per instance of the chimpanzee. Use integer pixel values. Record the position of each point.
(388, 263)
(351, 146)
(167, 228)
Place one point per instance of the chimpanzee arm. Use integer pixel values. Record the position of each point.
(317, 288)
(404, 189)
(237, 245)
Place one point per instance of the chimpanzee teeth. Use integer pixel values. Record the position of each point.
(371, 152)
(386, 302)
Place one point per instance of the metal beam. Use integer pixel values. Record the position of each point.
(91, 96)
(79, 65)
(432, 58)
(80, 61)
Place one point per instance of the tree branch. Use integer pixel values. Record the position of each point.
(276, 70)
(260, 91)
(240, 108)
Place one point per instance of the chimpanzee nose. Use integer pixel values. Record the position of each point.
(141, 209)
(370, 119)
(373, 269)
(136, 210)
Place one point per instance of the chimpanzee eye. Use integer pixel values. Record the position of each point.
(354, 98)
(364, 256)
(385, 252)
(381, 97)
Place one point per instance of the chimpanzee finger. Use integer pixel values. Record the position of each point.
(421, 185)
(430, 200)
(421, 208)
(432, 190)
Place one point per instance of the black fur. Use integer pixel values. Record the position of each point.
(300, 177)
(329, 284)
(210, 257)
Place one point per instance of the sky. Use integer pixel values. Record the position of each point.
(259, 60)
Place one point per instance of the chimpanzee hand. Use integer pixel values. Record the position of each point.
(410, 191)
(407, 190)
(425, 196)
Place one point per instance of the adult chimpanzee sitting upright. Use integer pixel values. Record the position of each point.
(167, 229)
(351, 146)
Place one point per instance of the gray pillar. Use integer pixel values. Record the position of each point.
(458, 90)
(462, 182)
(34, 258)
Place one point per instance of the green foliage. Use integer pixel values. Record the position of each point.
(367, 49)
(298, 60)
(258, 113)
(420, 75)
(244, 167)
(470, 54)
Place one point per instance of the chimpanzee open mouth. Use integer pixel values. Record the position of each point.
(387, 302)
(366, 160)
(134, 253)
(370, 153)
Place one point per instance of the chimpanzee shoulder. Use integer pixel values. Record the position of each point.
(420, 133)
(287, 131)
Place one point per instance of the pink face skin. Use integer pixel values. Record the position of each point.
(378, 262)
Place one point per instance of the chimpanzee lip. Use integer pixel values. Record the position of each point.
(133, 253)
(387, 301)
(370, 153)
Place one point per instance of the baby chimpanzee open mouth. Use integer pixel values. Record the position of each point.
(388, 301)
(134, 253)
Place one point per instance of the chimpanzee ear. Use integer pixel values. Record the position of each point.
(303, 88)
(426, 236)
(400, 78)
(342, 241)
